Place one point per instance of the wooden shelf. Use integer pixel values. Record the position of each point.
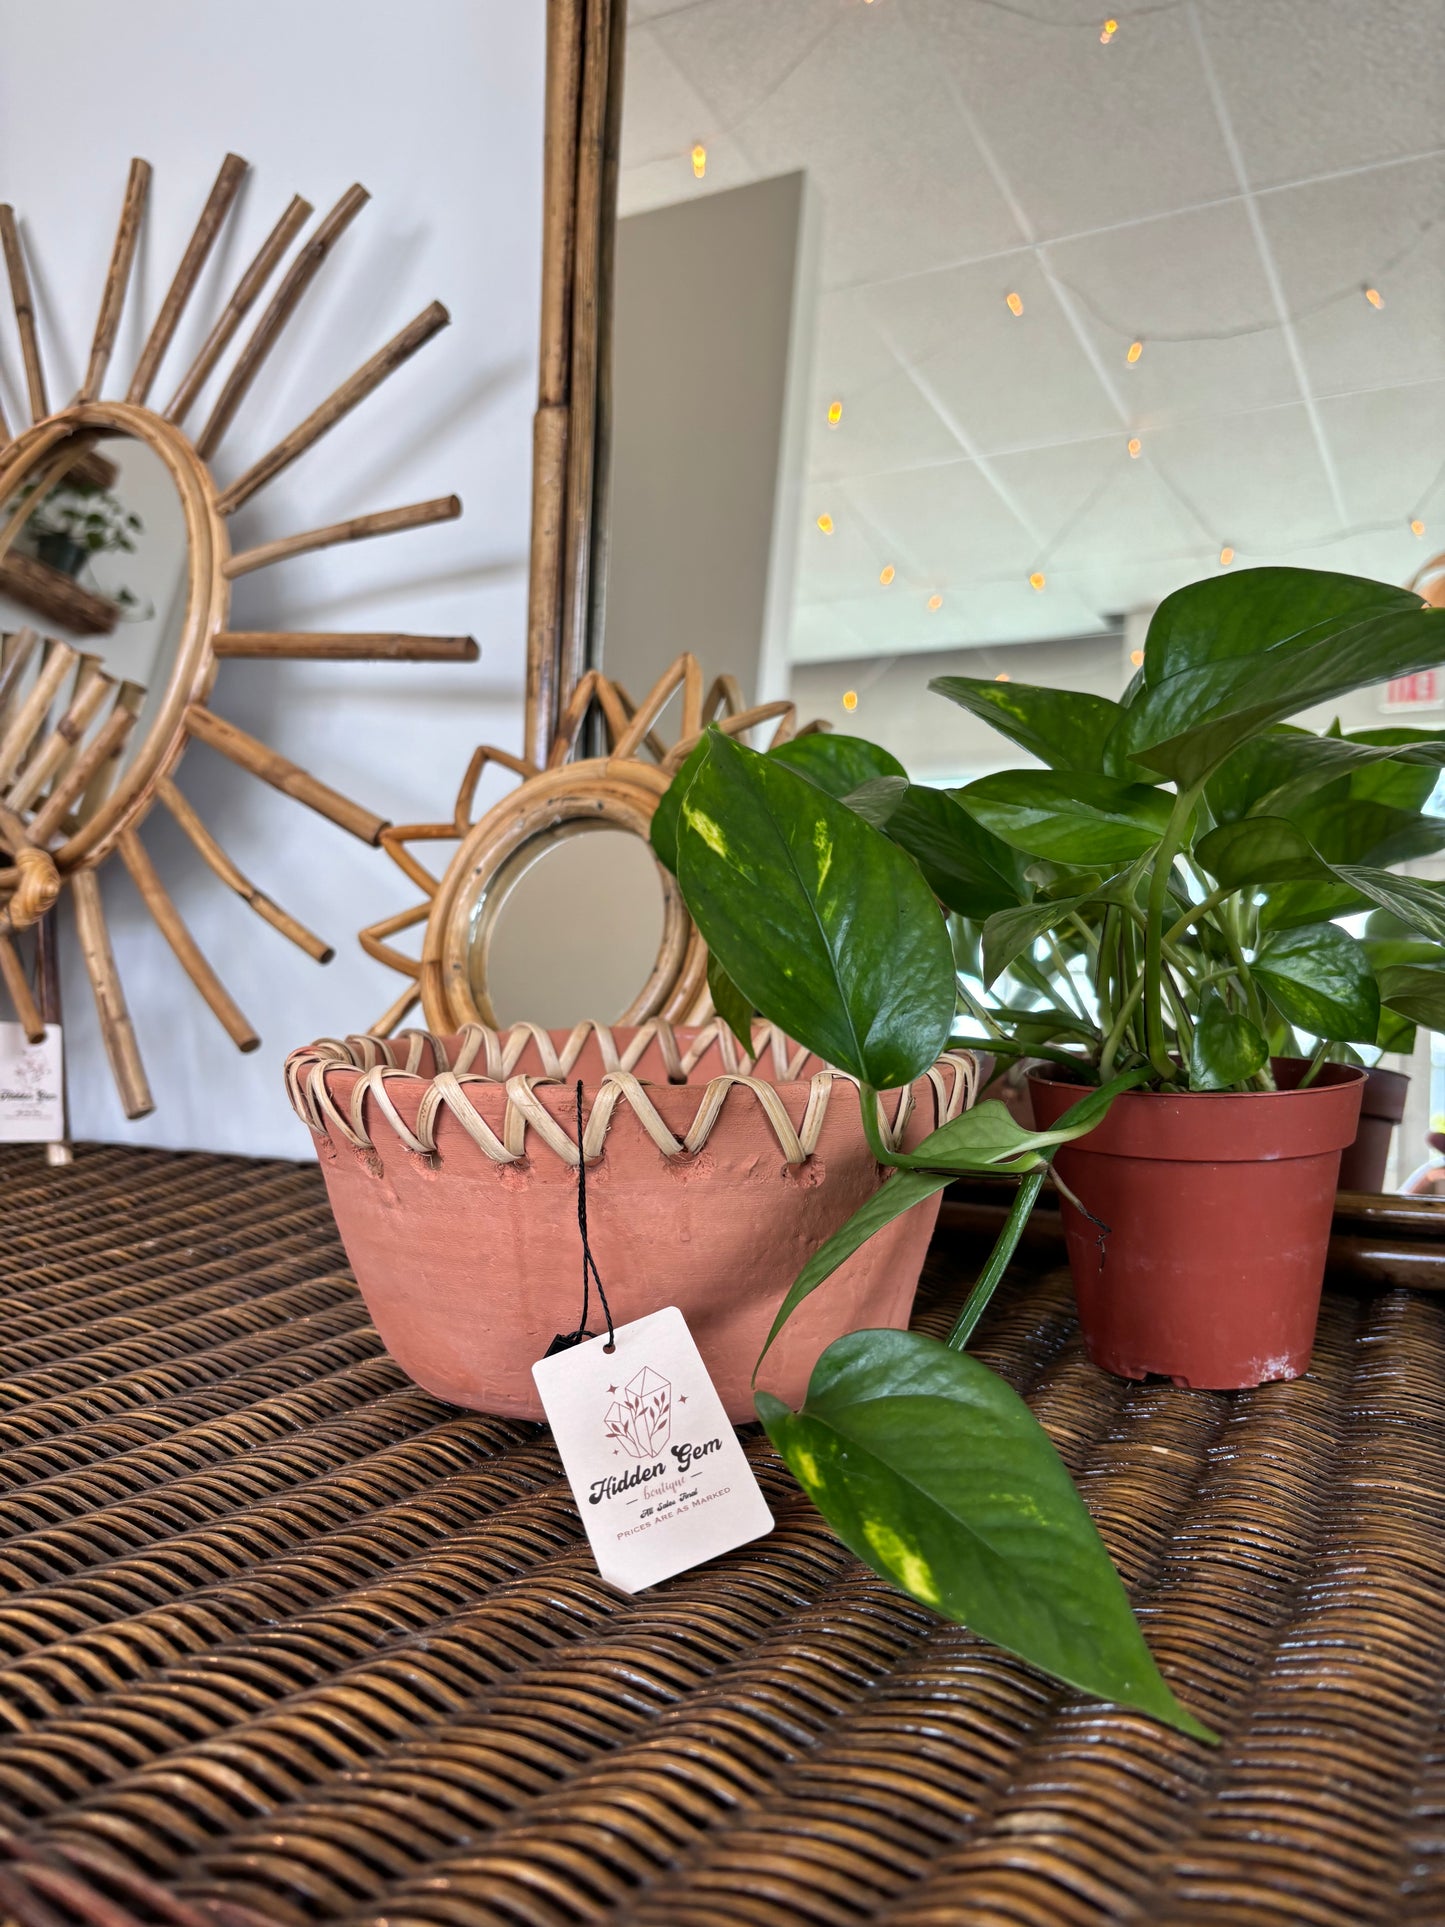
(57, 597)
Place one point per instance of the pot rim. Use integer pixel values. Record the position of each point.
(1350, 1073)
(515, 1107)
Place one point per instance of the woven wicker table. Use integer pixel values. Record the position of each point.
(283, 1639)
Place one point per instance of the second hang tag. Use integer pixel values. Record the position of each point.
(655, 1466)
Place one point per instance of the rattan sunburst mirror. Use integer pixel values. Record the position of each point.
(92, 724)
(640, 957)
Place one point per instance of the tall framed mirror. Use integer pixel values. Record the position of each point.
(906, 364)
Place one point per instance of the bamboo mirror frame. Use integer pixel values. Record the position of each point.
(619, 789)
(71, 796)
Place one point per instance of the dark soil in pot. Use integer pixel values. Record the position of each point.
(1218, 1208)
(1362, 1167)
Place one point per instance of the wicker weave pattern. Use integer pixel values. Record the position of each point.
(283, 1639)
(442, 1073)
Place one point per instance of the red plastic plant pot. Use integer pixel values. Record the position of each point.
(1208, 1257)
(1362, 1167)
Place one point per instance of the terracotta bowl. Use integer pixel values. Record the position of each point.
(451, 1167)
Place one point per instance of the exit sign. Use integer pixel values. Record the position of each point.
(1423, 690)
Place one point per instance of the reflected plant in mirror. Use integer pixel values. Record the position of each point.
(1152, 917)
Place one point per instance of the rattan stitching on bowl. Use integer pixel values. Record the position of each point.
(383, 1060)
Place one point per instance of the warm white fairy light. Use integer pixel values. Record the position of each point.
(699, 160)
(850, 699)
(1037, 579)
(1015, 302)
(1374, 297)
(1226, 556)
(1136, 448)
(934, 603)
(835, 413)
(825, 523)
(1136, 348)
(886, 574)
(1417, 527)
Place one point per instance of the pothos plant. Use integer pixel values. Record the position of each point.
(1161, 894)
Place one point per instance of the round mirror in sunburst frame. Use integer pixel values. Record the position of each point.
(115, 587)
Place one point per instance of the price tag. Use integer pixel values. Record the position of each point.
(653, 1461)
(32, 1104)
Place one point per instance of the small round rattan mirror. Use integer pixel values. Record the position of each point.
(554, 900)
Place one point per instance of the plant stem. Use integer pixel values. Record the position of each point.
(976, 1302)
(1194, 914)
(1312, 1071)
(1164, 854)
(1116, 1034)
(978, 1010)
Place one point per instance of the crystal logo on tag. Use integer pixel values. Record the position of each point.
(659, 1476)
(640, 1422)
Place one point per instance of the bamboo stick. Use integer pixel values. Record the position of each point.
(246, 753)
(445, 508)
(213, 215)
(47, 982)
(172, 927)
(116, 1029)
(15, 653)
(354, 390)
(48, 761)
(27, 1011)
(298, 278)
(297, 214)
(92, 670)
(112, 299)
(103, 749)
(24, 314)
(550, 424)
(393, 1014)
(222, 866)
(130, 698)
(30, 714)
(341, 646)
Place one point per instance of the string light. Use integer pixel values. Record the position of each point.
(1015, 303)
(1111, 27)
(1037, 579)
(1136, 348)
(1003, 676)
(1374, 297)
(1417, 527)
(934, 602)
(1136, 448)
(835, 413)
(1226, 556)
(699, 160)
(850, 699)
(886, 574)
(1136, 656)
(825, 523)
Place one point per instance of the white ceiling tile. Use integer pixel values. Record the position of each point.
(1330, 84)
(1331, 240)
(1008, 380)
(1084, 133)
(1257, 478)
(1389, 447)
(1185, 276)
(739, 53)
(886, 422)
(899, 181)
(950, 519)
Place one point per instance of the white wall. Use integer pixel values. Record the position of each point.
(437, 109)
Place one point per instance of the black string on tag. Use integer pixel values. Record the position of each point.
(564, 1341)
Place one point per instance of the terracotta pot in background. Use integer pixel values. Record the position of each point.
(1218, 1208)
(471, 1264)
(1362, 1167)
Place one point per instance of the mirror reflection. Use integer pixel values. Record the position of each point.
(950, 338)
(531, 955)
(97, 565)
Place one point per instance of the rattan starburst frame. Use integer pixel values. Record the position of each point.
(621, 788)
(68, 801)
